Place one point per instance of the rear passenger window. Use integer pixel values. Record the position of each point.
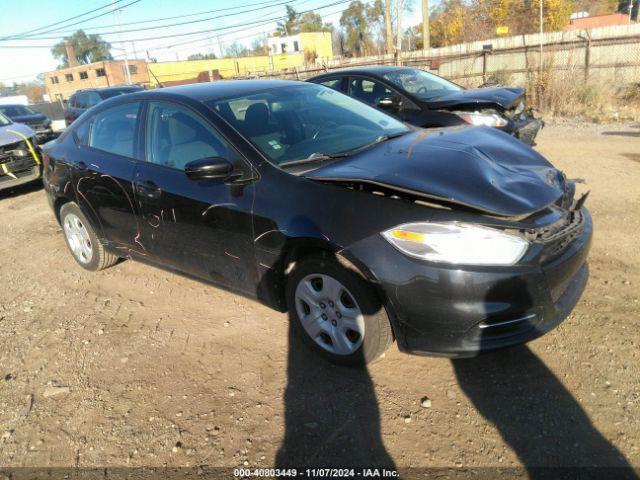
(81, 100)
(114, 129)
(176, 136)
(332, 83)
(81, 133)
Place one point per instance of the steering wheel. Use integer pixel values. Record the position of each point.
(327, 126)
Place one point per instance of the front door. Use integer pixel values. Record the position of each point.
(201, 227)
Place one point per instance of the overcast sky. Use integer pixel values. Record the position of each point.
(232, 20)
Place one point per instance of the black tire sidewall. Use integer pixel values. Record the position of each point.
(94, 264)
(375, 337)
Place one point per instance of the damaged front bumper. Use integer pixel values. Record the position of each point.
(455, 311)
(525, 126)
(19, 164)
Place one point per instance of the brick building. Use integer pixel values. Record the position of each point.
(60, 84)
(586, 23)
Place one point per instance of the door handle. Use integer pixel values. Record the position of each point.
(148, 189)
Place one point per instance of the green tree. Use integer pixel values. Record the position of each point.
(290, 25)
(296, 23)
(259, 47)
(312, 22)
(87, 48)
(236, 49)
(356, 21)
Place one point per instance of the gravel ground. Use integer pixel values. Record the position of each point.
(135, 366)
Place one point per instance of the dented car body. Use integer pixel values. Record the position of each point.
(19, 157)
(469, 238)
(427, 100)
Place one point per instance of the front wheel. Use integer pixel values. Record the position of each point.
(337, 312)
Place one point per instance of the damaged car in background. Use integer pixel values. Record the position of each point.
(449, 241)
(19, 155)
(37, 121)
(427, 100)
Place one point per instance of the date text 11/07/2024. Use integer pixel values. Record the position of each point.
(315, 472)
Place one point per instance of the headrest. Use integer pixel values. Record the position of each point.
(257, 115)
(182, 128)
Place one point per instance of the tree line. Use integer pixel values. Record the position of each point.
(362, 30)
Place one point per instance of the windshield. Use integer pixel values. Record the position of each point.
(295, 122)
(423, 85)
(4, 121)
(16, 110)
(114, 92)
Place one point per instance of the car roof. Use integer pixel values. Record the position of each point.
(218, 90)
(109, 89)
(369, 70)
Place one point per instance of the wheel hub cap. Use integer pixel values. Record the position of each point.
(78, 237)
(329, 314)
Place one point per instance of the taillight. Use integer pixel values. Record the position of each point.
(45, 159)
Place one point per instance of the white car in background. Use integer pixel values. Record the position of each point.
(19, 155)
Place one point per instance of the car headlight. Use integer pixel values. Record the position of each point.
(486, 119)
(457, 243)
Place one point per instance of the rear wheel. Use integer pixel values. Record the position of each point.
(337, 312)
(82, 240)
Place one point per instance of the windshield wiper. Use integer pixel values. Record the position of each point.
(323, 157)
(314, 157)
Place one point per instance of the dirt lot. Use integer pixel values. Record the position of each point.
(135, 366)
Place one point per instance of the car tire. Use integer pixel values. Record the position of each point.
(82, 241)
(329, 291)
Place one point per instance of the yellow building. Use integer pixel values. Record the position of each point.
(302, 49)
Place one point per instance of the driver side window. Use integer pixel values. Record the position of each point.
(367, 90)
(176, 136)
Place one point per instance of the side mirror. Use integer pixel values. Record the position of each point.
(391, 102)
(210, 168)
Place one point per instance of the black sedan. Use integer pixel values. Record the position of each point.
(452, 241)
(426, 100)
(38, 122)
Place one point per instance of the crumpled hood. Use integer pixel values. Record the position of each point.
(478, 167)
(503, 97)
(29, 119)
(7, 136)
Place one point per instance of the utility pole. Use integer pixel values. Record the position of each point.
(426, 41)
(387, 24)
(399, 32)
(126, 60)
(541, 31)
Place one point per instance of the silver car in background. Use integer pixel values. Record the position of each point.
(19, 155)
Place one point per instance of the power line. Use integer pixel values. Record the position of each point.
(255, 34)
(207, 37)
(257, 22)
(190, 22)
(151, 20)
(61, 21)
(77, 23)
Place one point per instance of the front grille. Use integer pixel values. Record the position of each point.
(17, 164)
(5, 149)
(558, 236)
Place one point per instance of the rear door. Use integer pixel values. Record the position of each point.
(103, 173)
(202, 227)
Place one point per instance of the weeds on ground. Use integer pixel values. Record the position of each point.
(567, 93)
